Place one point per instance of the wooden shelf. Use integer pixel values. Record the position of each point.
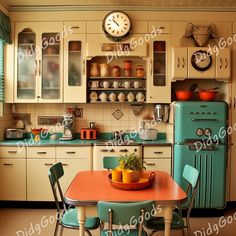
(117, 89)
(134, 102)
(117, 78)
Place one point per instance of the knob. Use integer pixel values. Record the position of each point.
(135, 150)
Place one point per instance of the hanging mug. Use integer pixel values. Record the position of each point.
(116, 84)
(93, 84)
(137, 84)
(103, 97)
(105, 84)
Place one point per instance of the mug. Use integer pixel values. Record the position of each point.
(93, 84)
(112, 97)
(105, 84)
(140, 97)
(127, 84)
(103, 97)
(121, 97)
(93, 96)
(137, 84)
(116, 84)
(130, 97)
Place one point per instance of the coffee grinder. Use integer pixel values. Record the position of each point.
(68, 127)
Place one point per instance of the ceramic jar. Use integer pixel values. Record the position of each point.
(112, 97)
(140, 97)
(130, 97)
(115, 71)
(121, 97)
(103, 97)
(127, 65)
(104, 70)
(139, 71)
(94, 71)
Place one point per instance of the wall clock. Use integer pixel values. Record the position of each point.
(201, 60)
(116, 25)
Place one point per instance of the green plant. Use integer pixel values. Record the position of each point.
(131, 162)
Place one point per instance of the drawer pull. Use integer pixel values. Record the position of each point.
(112, 150)
(12, 152)
(65, 164)
(158, 152)
(162, 27)
(75, 27)
(48, 164)
(150, 164)
(124, 150)
(70, 152)
(41, 152)
(7, 164)
(104, 150)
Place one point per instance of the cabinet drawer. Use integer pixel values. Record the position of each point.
(76, 26)
(158, 164)
(164, 27)
(156, 152)
(41, 152)
(13, 152)
(74, 152)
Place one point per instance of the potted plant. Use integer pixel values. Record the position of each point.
(131, 166)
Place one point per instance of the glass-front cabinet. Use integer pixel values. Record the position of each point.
(74, 68)
(38, 62)
(159, 88)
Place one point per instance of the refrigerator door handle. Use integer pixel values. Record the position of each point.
(201, 148)
(198, 119)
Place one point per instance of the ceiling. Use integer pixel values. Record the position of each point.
(210, 4)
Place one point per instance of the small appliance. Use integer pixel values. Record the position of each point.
(161, 112)
(16, 133)
(147, 130)
(90, 133)
(68, 127)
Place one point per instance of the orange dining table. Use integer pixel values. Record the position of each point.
(89, 187)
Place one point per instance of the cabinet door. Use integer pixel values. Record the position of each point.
(74, 68)
(50, 62)
(71, 167)
(38, 185)
(158, 86)
(26, 38)
(179, 63)
(158, 164)
(13, 179)
(223, 64)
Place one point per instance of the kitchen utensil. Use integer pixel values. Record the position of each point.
(103, 97)
(116, 84)
(92, 125)
(127, 84)
(112, 97)
(93, 84)
(105, 84)
(94, 71)
(139, 71)
(68, 127)
(93, 96)
(140, 97)
(104, 70)
(115, 71)
(137, 84)
(149, 134)
(89, 133)
(17, 133)
(130, 97)
(161, 112)
(121, 97)
(207, 95)
(183, 95)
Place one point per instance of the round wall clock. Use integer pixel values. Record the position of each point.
(116, 25)
(201, 60)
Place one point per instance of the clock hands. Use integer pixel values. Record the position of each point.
(115, 22)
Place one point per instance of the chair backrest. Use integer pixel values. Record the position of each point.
(55, 173)
(191, 174)
(130, 213)
(110, 162)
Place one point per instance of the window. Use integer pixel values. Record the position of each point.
(1, 76)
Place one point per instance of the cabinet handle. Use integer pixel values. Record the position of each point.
(158, 152)
(75, 27)
(12, 152)
(226, 63)
(150, 164)
(104, 150)
(70, 152)
(234, 103)
(48, 164)
(220, 63)
(7, 164)
(41, 152)
(36, 67)
(178, 62)
(162, 27)
(112, 150)
(83, 67)
(39, 67)
(124, 150)
(150, 67)
(64, 164)
(183, 62)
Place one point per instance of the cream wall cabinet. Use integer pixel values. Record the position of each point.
(13, 174)
(158, 84)
(73, 159)
(38, 62)
(74, 68)
(157, 158)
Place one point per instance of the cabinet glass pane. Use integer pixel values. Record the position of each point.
(26, 65)
(50, 66)
(74, 63)
(159, 63)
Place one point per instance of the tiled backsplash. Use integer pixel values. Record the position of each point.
(99, 113)
(6, 120)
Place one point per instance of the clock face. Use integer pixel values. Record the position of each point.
(201, 60)
(117, 25)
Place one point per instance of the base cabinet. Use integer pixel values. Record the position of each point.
(157, 158)
(38, 186)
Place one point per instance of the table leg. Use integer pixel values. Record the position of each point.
(168, 214)
(81, 219)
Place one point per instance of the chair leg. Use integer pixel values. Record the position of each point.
(61, 231)
(56, 228)
(88, 232)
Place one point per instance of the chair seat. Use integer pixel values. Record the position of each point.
(158, 223)
(132, 232)
(69, 219)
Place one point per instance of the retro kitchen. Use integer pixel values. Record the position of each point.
(117, 110)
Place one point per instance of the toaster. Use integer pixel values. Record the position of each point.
(15, 134)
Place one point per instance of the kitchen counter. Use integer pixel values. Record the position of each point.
(78, 142)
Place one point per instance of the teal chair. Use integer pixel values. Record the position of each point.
(128, 217)
(157, 223)
(110, 162)
(68, 216)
